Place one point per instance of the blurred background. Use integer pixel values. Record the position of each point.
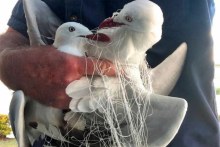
(216, 36)
(5, 12)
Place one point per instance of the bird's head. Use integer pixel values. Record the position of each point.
(132, 31)
(69, 33)
(137, 17)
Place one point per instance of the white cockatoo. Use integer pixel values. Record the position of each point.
(127, 35)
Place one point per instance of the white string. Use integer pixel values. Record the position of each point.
(111, 119)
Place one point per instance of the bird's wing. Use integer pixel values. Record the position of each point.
(163, 119)
(167, 116)
(41, 21)
(52, 131)
(16, 115)
(84, 87)
(75, 120)
(85, 94)
(166, 74)
(79, 88)
(80, 105)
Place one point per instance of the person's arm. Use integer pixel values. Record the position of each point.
(42, 72)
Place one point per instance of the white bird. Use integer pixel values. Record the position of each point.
(131, 36)
(19, 112)
(70, 38)
(124, 39)
(30, 119)
(136, 28)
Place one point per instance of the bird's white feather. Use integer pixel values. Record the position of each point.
(78, 88)
(41, 21)
(165, 76)
(17, 118)
(69, 38)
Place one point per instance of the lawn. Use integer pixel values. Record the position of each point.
(8, 143)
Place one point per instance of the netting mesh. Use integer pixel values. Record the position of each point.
(123, 107)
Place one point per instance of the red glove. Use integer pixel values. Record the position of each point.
(43, 73)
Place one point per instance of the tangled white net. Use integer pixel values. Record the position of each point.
(123, 106)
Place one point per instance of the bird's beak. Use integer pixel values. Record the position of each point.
(109, 23)
(97, 37)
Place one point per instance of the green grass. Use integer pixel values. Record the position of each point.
(218, 91)
(8, 143)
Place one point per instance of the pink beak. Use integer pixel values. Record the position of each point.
(98, 37)
(109, 23)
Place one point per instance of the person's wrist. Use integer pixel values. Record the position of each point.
(3, 57)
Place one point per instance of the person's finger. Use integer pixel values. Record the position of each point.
(92, 66)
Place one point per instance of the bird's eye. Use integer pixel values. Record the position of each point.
(115, 14)
(119, 10)
(71, 29)
(128, 18)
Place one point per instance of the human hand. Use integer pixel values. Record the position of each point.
(43, 73)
